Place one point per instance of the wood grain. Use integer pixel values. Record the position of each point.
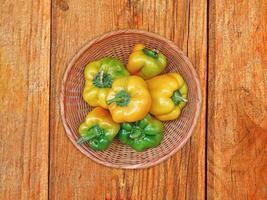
(24, 98)
(73, 175)
(237, 108)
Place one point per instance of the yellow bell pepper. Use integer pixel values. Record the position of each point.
(145, 62)
(169, 96)
(99, 76)
(129, 99)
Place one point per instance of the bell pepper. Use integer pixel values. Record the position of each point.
(169, 96)
(98, 129)
(143, 134)
(99, 76)
(129, 99)
(145, 62)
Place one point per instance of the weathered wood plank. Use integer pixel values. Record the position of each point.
(72, 175)
(237, 108)
(24, 98)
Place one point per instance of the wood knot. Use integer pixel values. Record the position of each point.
(63, 5)
(133, 3)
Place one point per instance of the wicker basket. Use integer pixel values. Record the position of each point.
(119, 44)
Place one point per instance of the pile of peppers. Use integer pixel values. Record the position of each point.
(130, 103)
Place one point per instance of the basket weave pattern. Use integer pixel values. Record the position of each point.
(119, 44)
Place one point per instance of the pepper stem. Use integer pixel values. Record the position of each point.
(102, 80)
(136, 133)
(101, 74)
(152, 53)
(122, 98)
(177, 97)
(84, 139)
(183, 99)
(115, 99)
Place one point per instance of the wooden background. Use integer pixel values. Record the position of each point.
(226, 158)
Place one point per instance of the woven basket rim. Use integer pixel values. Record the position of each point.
(106, 35)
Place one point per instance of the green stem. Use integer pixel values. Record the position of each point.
(183, 99)
(115, 99)
(122, 98)
(152, 53)
(101, 74)
(102, 80)
(136, 133)
(177, 97)
(84, 139)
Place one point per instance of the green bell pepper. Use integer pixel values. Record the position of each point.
(98, 129)
(143, 134)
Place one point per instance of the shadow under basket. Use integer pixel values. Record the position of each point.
(119, 44)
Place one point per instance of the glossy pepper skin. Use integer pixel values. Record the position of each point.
(99, 76)
(129, 99)
(143, 134)
(145, 62)
(98, 129)
(169, 96)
